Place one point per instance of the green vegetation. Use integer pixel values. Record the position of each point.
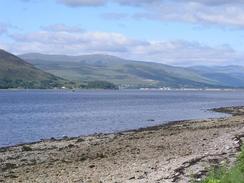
(44, 84)
(26, 148)
(108, 72)
(101, 85)
(16, 73)
(124, 73)
(136, 74)
(225, 175)
(224, 75)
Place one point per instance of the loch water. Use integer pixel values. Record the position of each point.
(31, 115)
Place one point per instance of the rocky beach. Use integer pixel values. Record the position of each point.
(176, 152)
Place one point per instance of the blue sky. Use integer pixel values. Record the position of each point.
(178, 32)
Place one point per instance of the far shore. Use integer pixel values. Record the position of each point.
(139, 89)
(174, 152)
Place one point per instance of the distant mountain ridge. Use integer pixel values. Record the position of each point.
(122, 72)
(64, 58)
(231, 75)
(136, 74)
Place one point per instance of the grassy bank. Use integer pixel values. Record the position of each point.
(226, 175)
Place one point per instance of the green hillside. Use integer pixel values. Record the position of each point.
(16, 73)
(126, 73)
(228, 76)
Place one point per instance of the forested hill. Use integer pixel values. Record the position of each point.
(16, 73)
(122, 72)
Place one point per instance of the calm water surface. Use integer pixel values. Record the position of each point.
(27, 116)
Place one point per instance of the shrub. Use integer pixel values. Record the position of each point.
(225, 175)
(26, 148)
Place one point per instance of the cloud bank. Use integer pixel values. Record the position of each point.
(72, 40)
(61, 39)
(213, 12)
(146, 2)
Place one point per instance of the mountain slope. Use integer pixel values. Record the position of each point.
(228, 76)
(126, 73)
(16, 73)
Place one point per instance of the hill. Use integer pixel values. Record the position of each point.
(16, 73)
(228, 76)
(126, 73)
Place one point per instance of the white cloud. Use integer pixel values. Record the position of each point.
(214, 2)
(225, 15)
(138, 2)
(61, 28)
(81, 3)
(67, 41)
(72, 42)
(186, 53)
(214, 12)
(77, 3)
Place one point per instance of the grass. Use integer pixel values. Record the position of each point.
(129, 74)
(226, 175)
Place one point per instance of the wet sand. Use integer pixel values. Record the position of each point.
(176, 152)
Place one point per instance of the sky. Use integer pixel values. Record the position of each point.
(175, 32)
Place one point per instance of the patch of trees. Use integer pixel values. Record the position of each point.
(18, 83)
(52, 83)
(100, 85)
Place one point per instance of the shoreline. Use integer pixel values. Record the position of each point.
(129, 89)
(172, 152)
(154, 127)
